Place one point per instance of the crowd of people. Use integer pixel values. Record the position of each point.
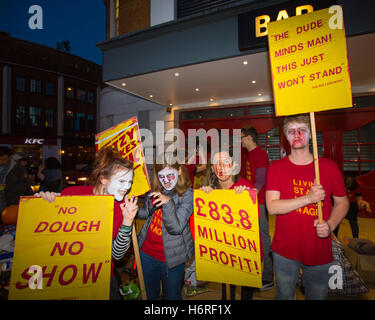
(285, 188)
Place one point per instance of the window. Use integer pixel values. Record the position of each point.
(69, 120)
(81, 95)
(70, 92)
(20, 84)
(90, 97)
(35, 115)
(359, 149)
(80, 121)
(35, 86)
(50, 88)
(270, 141)
(90, 123)
(48, 118)
(20, 116)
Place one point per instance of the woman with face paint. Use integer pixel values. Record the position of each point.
(165, 239)
(112, 175)
(222, 176)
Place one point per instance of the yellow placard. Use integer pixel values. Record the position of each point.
(309, 63)
(63, 249)
(227, 247)
(125, 137)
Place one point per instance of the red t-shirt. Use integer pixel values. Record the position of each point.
(295, 235)
(153, 245)
(89, 191)
(257, 158)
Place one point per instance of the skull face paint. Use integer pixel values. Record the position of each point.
(168, 178)
(222, 165)
(120, 183)
(298, 135)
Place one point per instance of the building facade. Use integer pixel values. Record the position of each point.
(50, 100)
(207, 62)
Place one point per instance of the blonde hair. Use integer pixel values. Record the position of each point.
(300, 118)
(107, 162)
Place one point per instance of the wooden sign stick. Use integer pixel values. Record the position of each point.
(316, 161)
(139, 264)
(227, 291)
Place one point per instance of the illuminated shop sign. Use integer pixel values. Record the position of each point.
(252, 26)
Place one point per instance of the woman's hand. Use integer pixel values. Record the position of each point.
(206, 189)
(159, 199)
(129, 209)
(240, 189)
(48, 196)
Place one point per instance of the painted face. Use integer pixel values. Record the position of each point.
(168, 178)
(120, 183)
(223, 165)
(298, 135)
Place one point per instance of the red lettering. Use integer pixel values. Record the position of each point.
(61, 276)
(41, 224)
(94, 276)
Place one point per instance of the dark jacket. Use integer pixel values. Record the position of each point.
(16, 185)
(177, 240)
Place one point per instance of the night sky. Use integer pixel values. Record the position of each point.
(82, 22)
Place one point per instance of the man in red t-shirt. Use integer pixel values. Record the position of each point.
(255, 171)
(300, 241)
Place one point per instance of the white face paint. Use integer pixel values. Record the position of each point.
(120, 183)
(168, 178)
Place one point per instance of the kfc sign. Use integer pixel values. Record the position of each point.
(34, 141)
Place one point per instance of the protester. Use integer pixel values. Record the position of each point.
(17, 183)
(112, 175)
(221, 176)
(5, 166)
(50, 175)
(255, 171)
(300, 241)
(165, 239)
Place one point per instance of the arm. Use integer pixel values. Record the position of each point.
(177, 216)
(122, 241)
(260, 178)
(339, 211)
(275, 205)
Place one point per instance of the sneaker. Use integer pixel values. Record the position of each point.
(266, 285)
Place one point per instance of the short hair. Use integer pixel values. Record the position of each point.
(250, 131)
(300, 118)
(5, 151)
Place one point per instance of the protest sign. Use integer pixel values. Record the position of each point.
(227, 247)
(309, 64)
(125, 138)
(63, 249)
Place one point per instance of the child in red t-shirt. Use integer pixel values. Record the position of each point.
(221, 177)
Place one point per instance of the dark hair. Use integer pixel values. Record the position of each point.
(250, 131)
(107, 162)
(211, 178)
(52, 163)
(5, 151)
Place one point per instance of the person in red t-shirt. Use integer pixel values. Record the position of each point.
(221, 177)
(300, 241)
(165, 240)
(255, 171)
(112, 175)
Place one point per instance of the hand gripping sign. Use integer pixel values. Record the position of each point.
(63, 249)
(227, 244)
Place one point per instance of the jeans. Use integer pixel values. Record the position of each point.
(314, 279)
(171, 279)
(267, 275)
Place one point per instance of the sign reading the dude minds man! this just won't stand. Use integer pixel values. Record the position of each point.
(309, 63)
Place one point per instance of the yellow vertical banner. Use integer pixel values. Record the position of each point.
(227, 244)
(63, 249)
(125, 137)
(309, 63)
